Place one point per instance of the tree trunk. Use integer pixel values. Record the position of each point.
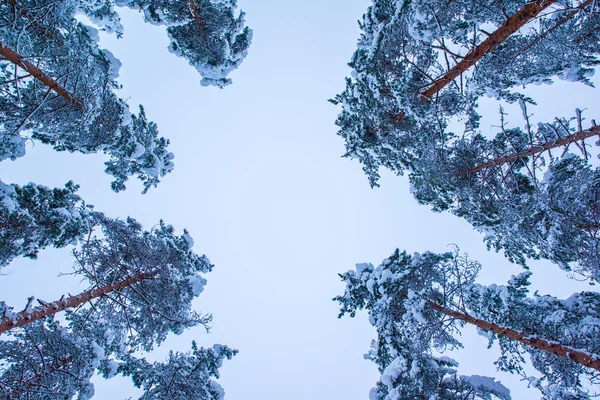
(527, 13)
(26, 317)
(578, 356)
(581, 135)
(194, 11)
(18, 60)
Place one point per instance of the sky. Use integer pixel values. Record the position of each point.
(260, 184)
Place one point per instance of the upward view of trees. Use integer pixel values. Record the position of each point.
(411, 106)
(58, 87)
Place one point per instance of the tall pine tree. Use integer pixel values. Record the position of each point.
(404, 351)
(141, 285)
(57, 85)
(424, 299)
(421, 66)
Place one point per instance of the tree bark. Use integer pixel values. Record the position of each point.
(583, 358)
(18, 60)
(27, 317)
(196, 16)
(527, 13)
(581, 135)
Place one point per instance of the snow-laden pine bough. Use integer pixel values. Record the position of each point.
(57, 86)
(210, 34)
(498, 183)
(139, 280)
(33, 217)
(560, 142)
(29, 68)
(48, 360)
(420, 302)
(525, 15)
(527, 190)
(141, 286)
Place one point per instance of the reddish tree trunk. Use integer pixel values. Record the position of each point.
(527, 13)
(582, 135)
(194, 11)
(18, 60)
(575, 355)
(27, 317)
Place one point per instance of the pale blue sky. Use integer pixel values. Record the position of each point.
(261, 187)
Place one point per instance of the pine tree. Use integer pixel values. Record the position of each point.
(207, 33)
(403, 353)
(513, 198)
(58, 87)
(424, 299)
(413, 375)
(571, 323)
(411, 70)
(33, 217)
(141, 285)
(571, 216)
(57, 84)
(411, 77)
(140, 282)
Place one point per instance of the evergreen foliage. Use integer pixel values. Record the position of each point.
(110, 322)
(140, 282)
(207, 33)
(418, 304)
(33, 217)
(183, 376)
(46, 361)
(528, 207)
(399, 104)
(571, 216)
(157, 305)
(414, 375)
(59, 86)
(572, 322)
(406, 46)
